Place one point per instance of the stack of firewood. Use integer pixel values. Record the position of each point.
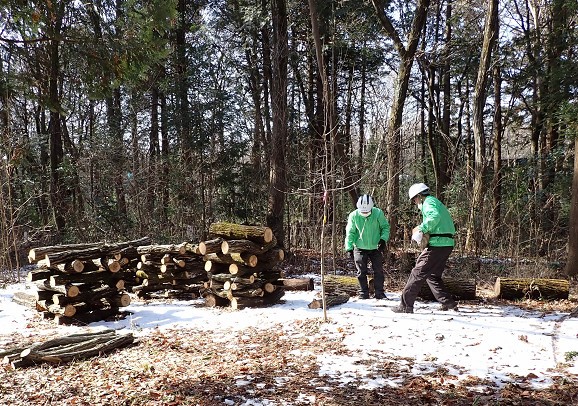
(176, 271)
(241, 266)
(82, 283)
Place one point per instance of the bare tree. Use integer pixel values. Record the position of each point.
(479, 101)
(572, 264)
(407, 56)
(278, 169)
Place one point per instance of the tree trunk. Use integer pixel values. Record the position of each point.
(278, 169)
(473, 234)
(393, 141)
(572, 262)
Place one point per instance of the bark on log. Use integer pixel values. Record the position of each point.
(94, 294)
(68, 289)
(297, 283)
(88, 278)
(27, 299)
(246, 246)
(41, 273)
(461, 289)
(240, 270)
(232, 258)
(91, 345)
(238, 303)
(231, 231)
(212, 300)
(271, 258)
(215, 267)
(88, 317)
(192, 249)
(57, 252)
(224, 277)
(211, 246)
(160, 250)
(330, 300)
(531, 288)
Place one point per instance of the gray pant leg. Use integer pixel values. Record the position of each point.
(435, 282)
(431, 260)
(360, 260)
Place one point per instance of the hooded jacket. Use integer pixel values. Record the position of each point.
(436, 219)
(365, 232)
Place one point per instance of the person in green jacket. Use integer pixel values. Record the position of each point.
(436, 232)
(366, 233)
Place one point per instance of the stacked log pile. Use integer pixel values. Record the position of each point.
(82, 283)
(241, 269)
(175, 271)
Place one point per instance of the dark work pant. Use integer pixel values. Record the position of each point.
(361, 258)
(429, 267)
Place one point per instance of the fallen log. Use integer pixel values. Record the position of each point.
(90, 345)
(531, 288)
(461, 289)
(330, 301)
(257, 234)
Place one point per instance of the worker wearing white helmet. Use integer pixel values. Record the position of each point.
(366, 233)
(436, 236)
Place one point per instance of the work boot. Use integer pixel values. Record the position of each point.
(380, 296)
(401, 309)
(449, 306)
(363, 296)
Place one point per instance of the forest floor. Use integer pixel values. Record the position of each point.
(188, 367)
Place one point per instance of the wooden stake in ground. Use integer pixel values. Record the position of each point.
(529, 288)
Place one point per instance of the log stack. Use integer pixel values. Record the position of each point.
(82, 283)
(175, 271)
(242, 270)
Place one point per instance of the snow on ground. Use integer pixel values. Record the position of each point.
(500, 344)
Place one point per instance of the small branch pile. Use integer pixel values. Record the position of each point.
(241, 267)
(68, 348)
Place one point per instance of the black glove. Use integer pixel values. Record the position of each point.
(381, 246)
(350, 254)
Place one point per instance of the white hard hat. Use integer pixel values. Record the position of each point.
(364, 205)
(416, 189)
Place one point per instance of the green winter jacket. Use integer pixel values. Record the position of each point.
(365, 232)
(437, 220)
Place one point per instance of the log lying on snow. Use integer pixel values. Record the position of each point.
(531, 288)
(461, 289)
(330, 300)
(68, 348)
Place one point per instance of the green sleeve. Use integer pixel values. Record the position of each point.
(351, 233)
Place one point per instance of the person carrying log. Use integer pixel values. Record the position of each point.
(435, 234)
(366, 234)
